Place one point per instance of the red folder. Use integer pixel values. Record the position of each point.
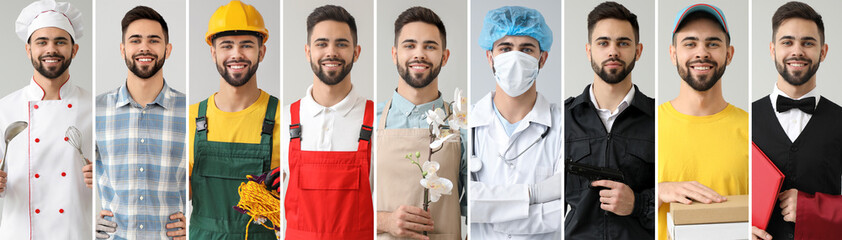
(766, 183)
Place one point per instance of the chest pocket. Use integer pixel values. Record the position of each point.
(577, 151)
(639, 161)
(331, 176)
(233, 163)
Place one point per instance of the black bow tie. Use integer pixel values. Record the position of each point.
(806, 105)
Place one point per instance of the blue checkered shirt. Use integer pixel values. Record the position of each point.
(140, 161)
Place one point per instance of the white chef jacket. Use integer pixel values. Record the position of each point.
(498, 195)
(46, 197)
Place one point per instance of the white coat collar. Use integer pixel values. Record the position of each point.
(35, 92)
(482, 114)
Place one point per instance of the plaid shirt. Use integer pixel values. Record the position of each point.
(140, 163)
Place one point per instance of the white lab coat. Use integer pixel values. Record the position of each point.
(46, 197)
(497, 194)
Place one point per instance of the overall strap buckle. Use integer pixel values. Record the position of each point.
(201, 124)
(294, 131)
(365, 133)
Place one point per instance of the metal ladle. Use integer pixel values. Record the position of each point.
(74, 137)
(11, 132)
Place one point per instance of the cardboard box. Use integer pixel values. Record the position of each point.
(725, 231)
(733, 210)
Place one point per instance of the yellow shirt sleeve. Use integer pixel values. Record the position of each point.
(191, 132)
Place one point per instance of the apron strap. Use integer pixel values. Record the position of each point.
(383, 115)
(366, 129)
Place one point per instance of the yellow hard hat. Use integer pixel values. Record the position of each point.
(236, 16)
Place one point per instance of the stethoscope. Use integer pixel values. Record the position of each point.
(475, 164)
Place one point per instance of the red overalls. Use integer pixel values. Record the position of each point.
(329, 196)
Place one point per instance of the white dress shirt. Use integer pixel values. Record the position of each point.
(794, 120)
(605, 114)
(334, 128)
(498, 191)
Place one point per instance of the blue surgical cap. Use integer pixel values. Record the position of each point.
(515, 21)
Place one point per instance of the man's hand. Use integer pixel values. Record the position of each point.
(618, 198)
(105, 227)
(788, 200)
(2, 181)
(409, 222)
(686, 192)
(758, 234)
(178, 233)
(88, 172)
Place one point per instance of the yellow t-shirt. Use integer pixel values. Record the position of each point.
(243, 126)
(712, 150)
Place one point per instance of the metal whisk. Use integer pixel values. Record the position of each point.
(74, 137)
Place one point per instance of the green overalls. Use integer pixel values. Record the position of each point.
(219, 168)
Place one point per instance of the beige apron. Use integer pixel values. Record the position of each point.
(398, 179)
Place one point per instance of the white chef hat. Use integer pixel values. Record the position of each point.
(49, 13)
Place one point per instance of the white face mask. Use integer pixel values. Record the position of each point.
(515, 72)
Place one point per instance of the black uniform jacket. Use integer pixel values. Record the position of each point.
(630, 148)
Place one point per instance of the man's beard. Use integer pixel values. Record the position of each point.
(791, 77)
(612, 76)
(51, 72)
(237, 79)
(331, 78)
(145, 71)
(418, 80)
(701, 84)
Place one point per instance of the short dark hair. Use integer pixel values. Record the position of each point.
(613, 10)
(796, 10)
(420, 14)
(701, 15)
(144, 12)
(331, 12)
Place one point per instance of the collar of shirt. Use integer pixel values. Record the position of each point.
(482, 114)
(34, 92)
(777, 92)
(639, 101)
(607, 112)
(164, 99)
(404, 107)
(312, 108)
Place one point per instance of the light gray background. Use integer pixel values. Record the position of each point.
(578, 72)
(549, 77)
(763, 70)
(453, 75)
(18, 68)
(204, 79)
(15, 53)
(111, 69)
(735, 80)
(297, 72)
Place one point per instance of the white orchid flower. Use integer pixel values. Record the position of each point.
(459, 118)
(430, 167)
(437, 186)
(436, 118)
(439, 141)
